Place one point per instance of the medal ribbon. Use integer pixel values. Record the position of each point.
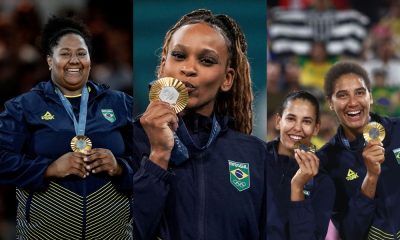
(180, 152)
(79, 125)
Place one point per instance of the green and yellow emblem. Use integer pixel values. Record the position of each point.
(47, 116)
(397, 154)
(239, 174)
(109, 115)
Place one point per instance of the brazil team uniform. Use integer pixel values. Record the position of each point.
(300, 220)
(218, 193)
(35, 130)
(356, 216)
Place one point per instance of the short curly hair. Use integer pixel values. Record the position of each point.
(341, 68)
(56, 27)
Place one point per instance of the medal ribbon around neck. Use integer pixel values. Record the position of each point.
(79, 125)
(180, 152)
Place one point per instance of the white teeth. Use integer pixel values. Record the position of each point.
(353, 112)
(73, 70)
(294, 137)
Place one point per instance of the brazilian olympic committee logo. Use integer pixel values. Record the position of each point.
(109, 115)
(239, 175)
(397, 154)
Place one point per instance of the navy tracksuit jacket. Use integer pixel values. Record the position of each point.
(198, 199)
(35, 130)
(357, 216)
(300, 220)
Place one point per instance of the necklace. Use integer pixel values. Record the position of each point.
(78, 95)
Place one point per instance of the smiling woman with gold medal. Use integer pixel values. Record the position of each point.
(302, 194)
(65, 146)
(363, 158)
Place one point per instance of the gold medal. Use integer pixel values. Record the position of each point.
(307, 147)
(170, 90)
(374, 131)
(81, 144)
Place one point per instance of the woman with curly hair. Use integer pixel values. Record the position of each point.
(65, 145)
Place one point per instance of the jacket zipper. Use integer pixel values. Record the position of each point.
(202, 198)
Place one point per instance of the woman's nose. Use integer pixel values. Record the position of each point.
(189, 69)
(74, 58)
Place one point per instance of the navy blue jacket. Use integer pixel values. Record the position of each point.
(197, 199)
(306, 219)
(356, 216)
(35, 130)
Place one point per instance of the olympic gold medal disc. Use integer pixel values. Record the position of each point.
(374, 131)
(170, 90)
(81, 144)
(307, 147)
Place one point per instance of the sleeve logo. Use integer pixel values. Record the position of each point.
(397, 154)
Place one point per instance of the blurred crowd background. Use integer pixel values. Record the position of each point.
(22, 65)
(305, 37)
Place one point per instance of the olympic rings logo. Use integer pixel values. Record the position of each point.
(239, 184)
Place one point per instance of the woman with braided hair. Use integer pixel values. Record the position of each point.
(217, 190)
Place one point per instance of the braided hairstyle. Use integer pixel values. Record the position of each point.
(238, 101)
(56, 27)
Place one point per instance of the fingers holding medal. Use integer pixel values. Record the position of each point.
(308, 162)
(374, 131)
(170, 90)
(306, 158)
(81, 144)
(305, 146)
(168, 96)
(374, 152)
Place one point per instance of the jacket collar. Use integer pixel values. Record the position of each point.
(47, 89)
(282, 165)
(225, 122)
(272, 148)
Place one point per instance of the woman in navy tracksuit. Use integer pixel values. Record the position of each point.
(365, 174)
(63, 194)
(218, 191)
(301, 196)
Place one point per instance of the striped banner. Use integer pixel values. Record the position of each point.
(293, 31)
